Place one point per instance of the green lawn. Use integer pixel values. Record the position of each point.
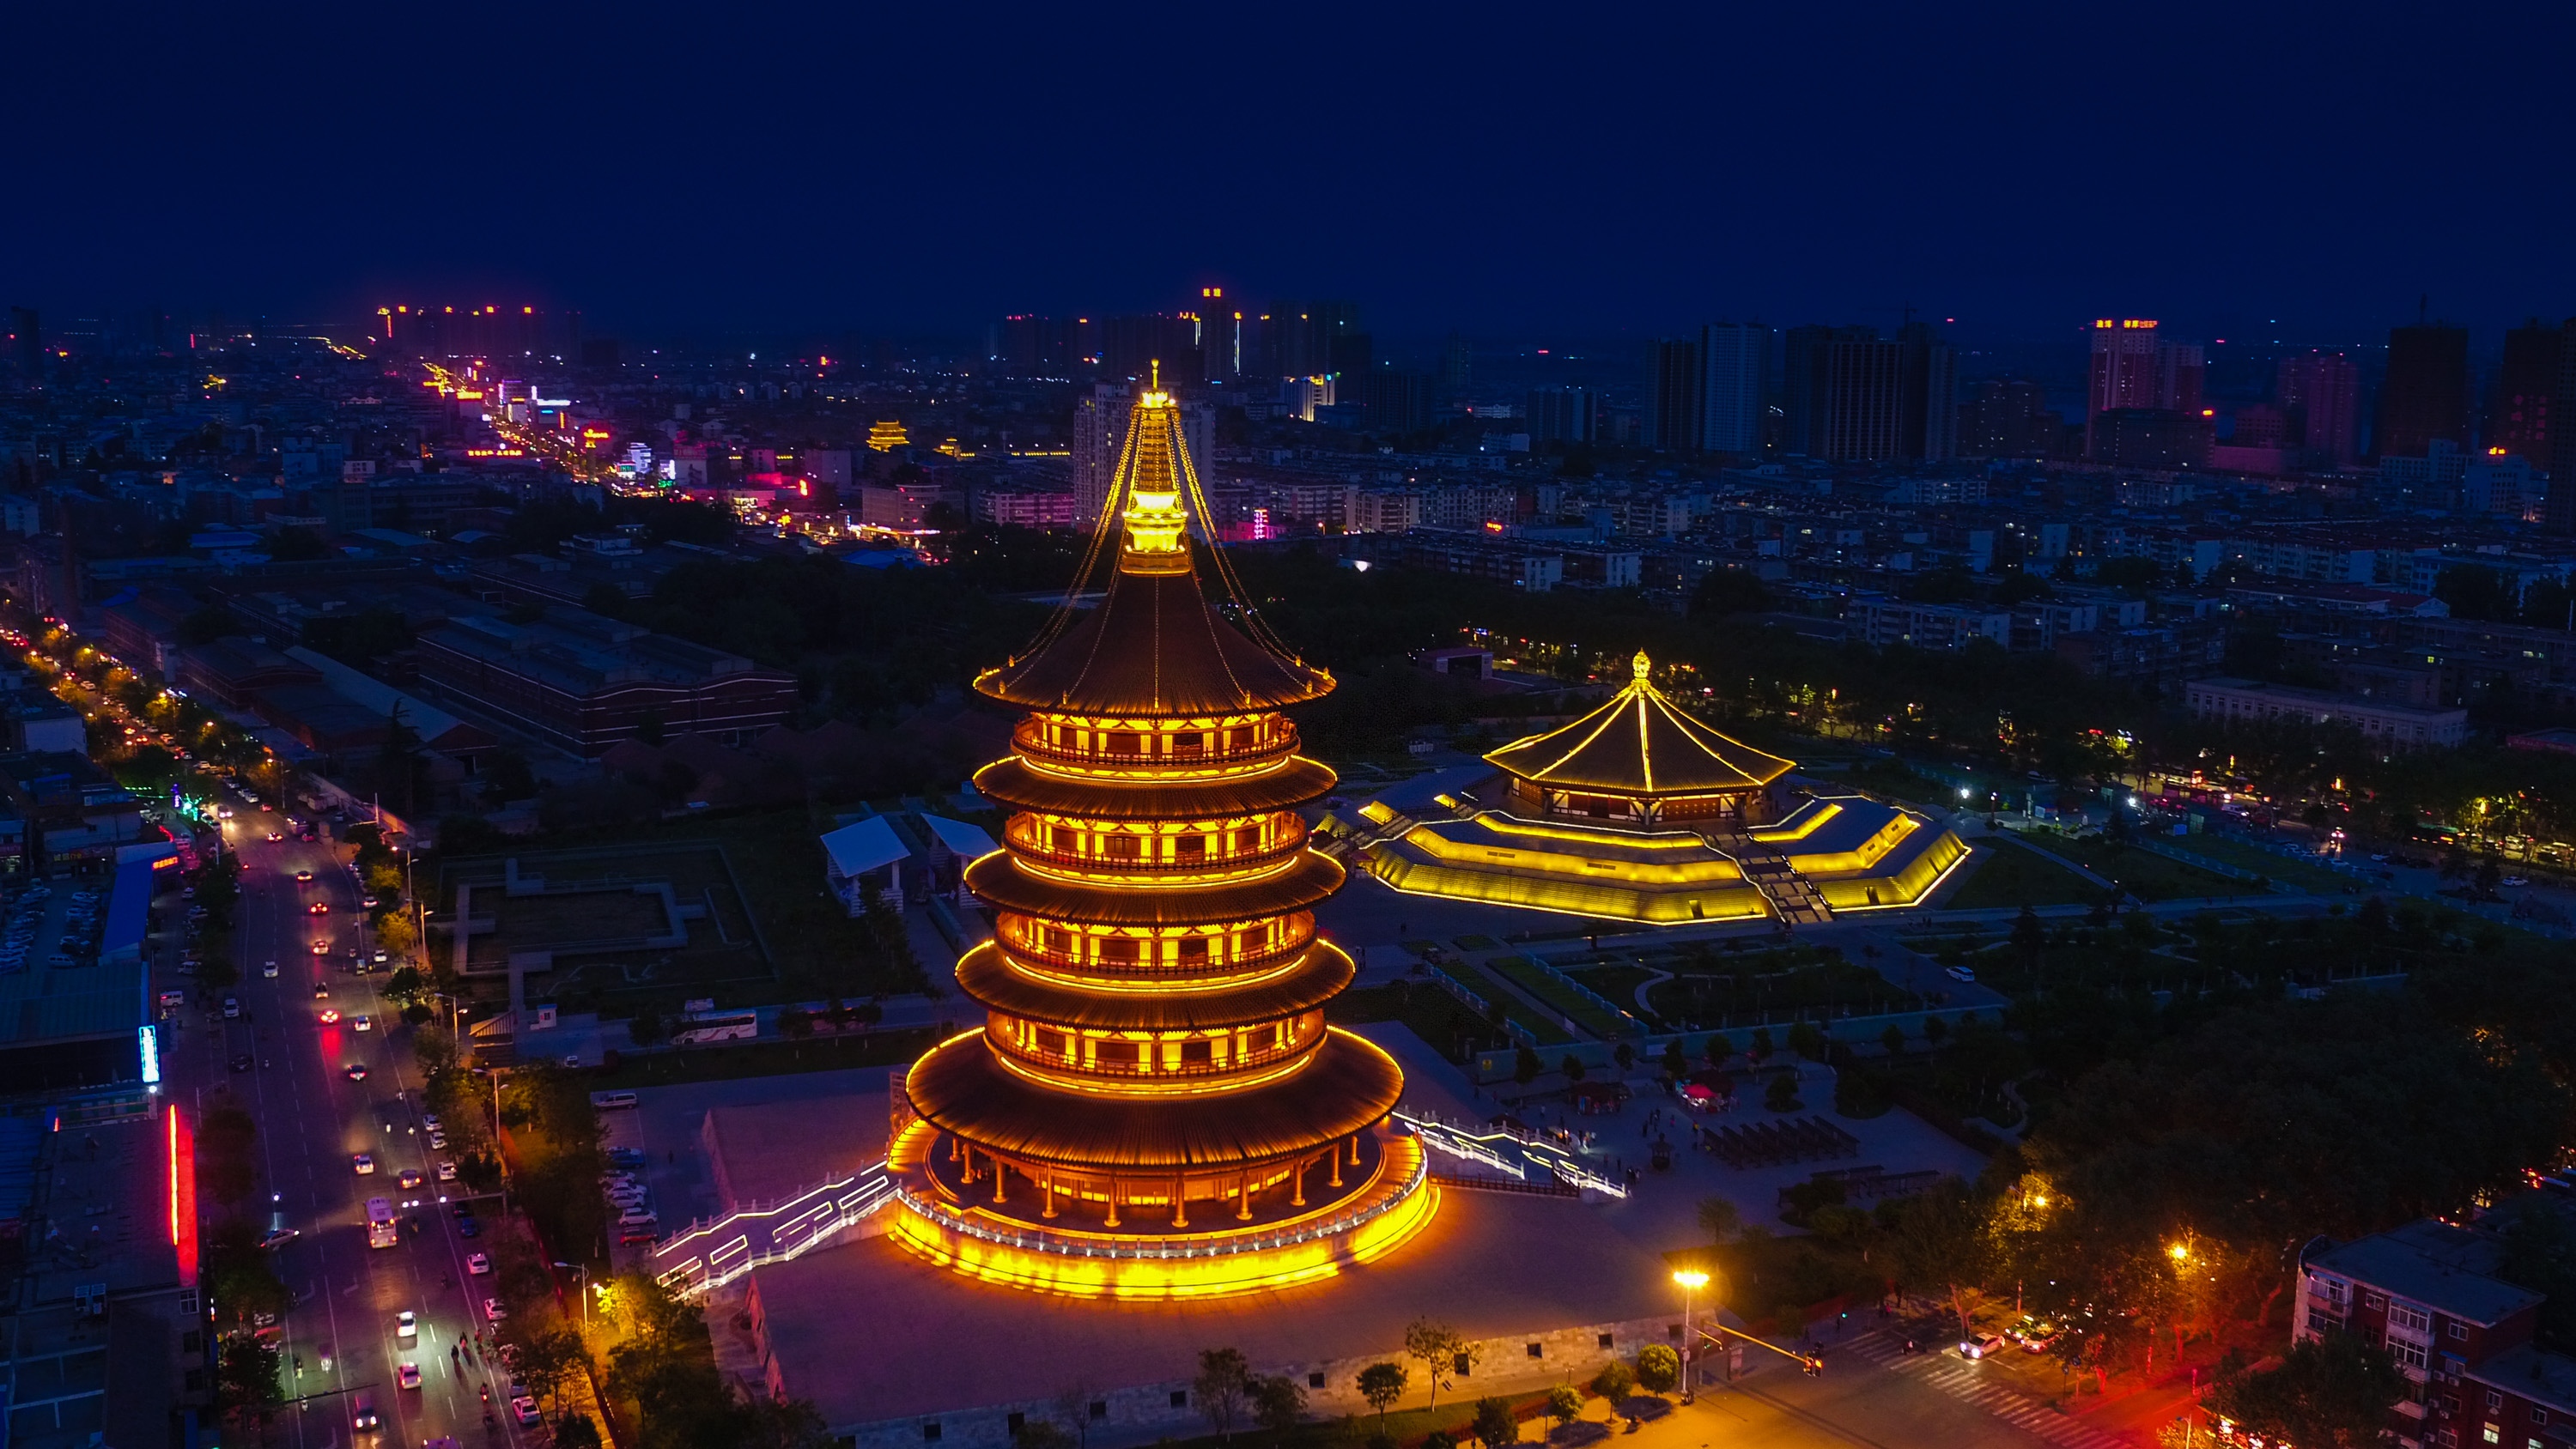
(2009, 875)
(1547, 989)
(1432, 1014)
(2148, 876)
(1538, 1023)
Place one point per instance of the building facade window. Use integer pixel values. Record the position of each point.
(2407, 1353)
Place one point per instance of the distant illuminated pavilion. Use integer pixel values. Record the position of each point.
(1640, 759)
(1639, 812)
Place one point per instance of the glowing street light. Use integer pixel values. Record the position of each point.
(1690, 1279)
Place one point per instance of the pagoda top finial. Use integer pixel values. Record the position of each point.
(1641, 664)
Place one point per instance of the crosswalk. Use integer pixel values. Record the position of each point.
(1975, 1383)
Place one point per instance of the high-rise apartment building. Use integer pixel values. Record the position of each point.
(2319, 397)
(2526, 392)
(1307, 339)
(1672, 395)
(1853, 396)
(1100, 427)
(2135, 367)
(2006, 418)
(1457, 365)
(1562, 415)
(1734, 369)
(2426, 395)
(1802, 384)
(1393, 400)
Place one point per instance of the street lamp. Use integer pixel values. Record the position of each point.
(1690, 1279)
(584, 1290)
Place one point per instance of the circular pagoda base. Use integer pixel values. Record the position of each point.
(1146, 1258)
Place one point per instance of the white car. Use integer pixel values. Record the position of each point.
(269, 970)
(362, 1023)
(1959, 973)
(493, 1310)
(447, 1172)
(406, 1324)
(478, 1264)
(365, 1164)
(408, 1376)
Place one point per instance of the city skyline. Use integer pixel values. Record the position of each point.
(2065, 168)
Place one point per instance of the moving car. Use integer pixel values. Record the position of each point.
(318, 908)
(364, 1163)
(364, 1420)
(304, 877)
(363, 1023)
(321, 989)
(232, 1008)
(1959, 973)
(357, 1071)
(406, 1324)
(408, 1376)
(330, 1016)
(321, 948)
(275, 836)
(1979, 1345)
(408, 1178)
(241, 1061)
(268, 969)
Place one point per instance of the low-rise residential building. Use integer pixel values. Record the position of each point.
(583, 682)
(2380, 721)
(1880, 622)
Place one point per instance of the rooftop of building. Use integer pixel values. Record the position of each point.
(2443, 1267)
(2324, 699)
(583, 652)
(1639, 743)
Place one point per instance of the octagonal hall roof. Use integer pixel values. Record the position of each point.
(1639, 743)
(1153, 645)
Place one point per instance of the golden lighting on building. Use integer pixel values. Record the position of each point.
(1154, 1106)
(888, 435)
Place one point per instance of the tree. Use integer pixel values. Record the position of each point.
(1625, 1054)
(227, 1166)
(1572, 1066)
(1658, 1368)
(1934, 1029)
(577, 1430)
(1807, 1041)
(1893, 1039)
(1564, 1404)
(1382, 1384)
(1938, 1237)
(246, 1379)
(1439, 1347)
(796, 1022)
(1675, 1062)
(2029, 934)
(1782, 1094)
(2333, 1391)
(547, 1357)
(1494, 1425)
(1615, 1382)
(1223, 1385)
(1526, 1065)
(1729, 591)
(1278, 1402)
(1719, 1217)
(397, 935)
(406, 983)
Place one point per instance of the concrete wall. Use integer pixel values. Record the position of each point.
(1144, 1412)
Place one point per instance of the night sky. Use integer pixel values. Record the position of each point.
(1566, 171)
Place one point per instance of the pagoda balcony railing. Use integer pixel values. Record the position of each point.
(1189, 870)
(1155, 970)
(1261, 1063)
(1030, 743)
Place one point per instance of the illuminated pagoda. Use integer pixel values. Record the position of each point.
(1154, 1106)
(1638, 812)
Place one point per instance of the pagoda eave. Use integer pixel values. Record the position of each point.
(1001, 882)
(1020, 785)
(986, 977)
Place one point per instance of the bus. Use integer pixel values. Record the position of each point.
(382, 1230)
(717, 1026)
